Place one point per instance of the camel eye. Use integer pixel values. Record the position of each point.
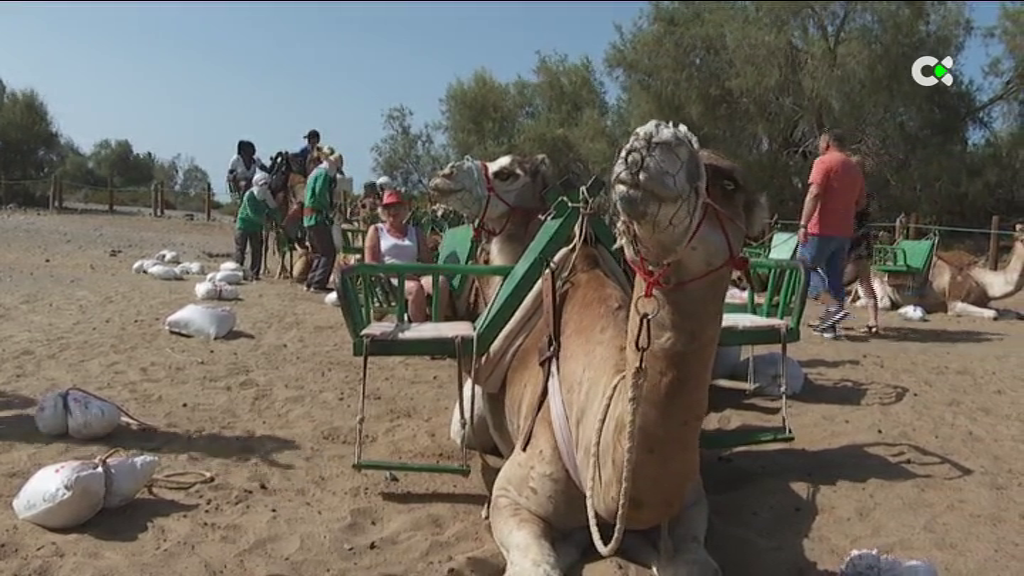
(504, 174)
(729, 185)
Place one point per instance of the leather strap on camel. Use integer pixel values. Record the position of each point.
(548, 351)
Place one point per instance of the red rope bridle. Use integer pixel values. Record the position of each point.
(654, 278)
(479, 228)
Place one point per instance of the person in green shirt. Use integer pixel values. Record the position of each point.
(256, 206)
(318, 218)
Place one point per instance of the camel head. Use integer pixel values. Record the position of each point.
(473, 187)
(676, 201)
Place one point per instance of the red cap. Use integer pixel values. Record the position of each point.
(392, 197)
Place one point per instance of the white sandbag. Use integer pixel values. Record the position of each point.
(201, 322)
(912, 313)
(141, 266)
(168, 257)
(216, 291)
(872, 563)
(190, 268)
(479, 437)
(68, 494)
(163, 272)
(767, 376)
(61, 496)
(125, 476)
(726, 360)
(226, 277)
(77, 414)
(231, 266)
(331, 299)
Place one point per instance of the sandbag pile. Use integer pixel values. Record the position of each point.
(194, 320)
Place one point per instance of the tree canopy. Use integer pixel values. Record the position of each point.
(759, 82)
(31, 148)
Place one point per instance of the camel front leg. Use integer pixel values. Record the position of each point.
(523, 538)
(530, 544)
(964, 309)
(681, 550)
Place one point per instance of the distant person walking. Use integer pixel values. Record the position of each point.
(834, 195)
(318, 218)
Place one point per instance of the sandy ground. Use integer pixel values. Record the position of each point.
(904, 443)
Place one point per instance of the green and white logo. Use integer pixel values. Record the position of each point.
(940, 71)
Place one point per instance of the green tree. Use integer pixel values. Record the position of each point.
(406, 153)
(760, 82)
(562, 110)
(29, 143)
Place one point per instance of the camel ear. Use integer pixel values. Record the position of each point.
(538, 166)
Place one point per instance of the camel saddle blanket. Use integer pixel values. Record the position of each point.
(493, 366)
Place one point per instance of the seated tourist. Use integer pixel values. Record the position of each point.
(395, 241)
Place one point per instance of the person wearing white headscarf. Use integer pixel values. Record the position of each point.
(256, 206)
(318, 218)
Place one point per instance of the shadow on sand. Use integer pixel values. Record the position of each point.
(263, 447)
(928, 335)
(14, 401)
(760, 521)
(127, 523)
(839, 392)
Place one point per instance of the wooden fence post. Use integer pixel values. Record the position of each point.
(110, 194)
(53, 193)
(912, 228)
(993, 244)
(60, 192)
(154, 199)
(160, 189)
(209, 202)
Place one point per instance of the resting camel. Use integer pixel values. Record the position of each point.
(961, 290)
(613, 437)
(505, 198)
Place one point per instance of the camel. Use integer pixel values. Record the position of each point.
(505, 197)
(618, 441)
(960, 290)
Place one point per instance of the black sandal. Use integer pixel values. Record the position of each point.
(870, 330)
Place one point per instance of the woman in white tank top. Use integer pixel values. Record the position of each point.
(395, 241)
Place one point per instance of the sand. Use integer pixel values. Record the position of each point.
(906, 443)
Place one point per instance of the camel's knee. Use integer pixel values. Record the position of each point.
(478, 435)
(687, 555)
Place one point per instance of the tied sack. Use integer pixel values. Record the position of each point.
(201, 322)
(167, 256)
(230, 266)
(331, 299)
(190, 268)
(66, 495)
(76, 413)
(142, 266)
(163, 272)
(216, 291)
(233, 277)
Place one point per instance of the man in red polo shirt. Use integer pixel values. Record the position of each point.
(835, 193)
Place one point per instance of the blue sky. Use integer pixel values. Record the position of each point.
(194, 78)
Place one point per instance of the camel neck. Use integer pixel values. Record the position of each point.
(999, 284)
(683, 342)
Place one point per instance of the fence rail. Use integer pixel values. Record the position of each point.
(57, 192)
(913, 227)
